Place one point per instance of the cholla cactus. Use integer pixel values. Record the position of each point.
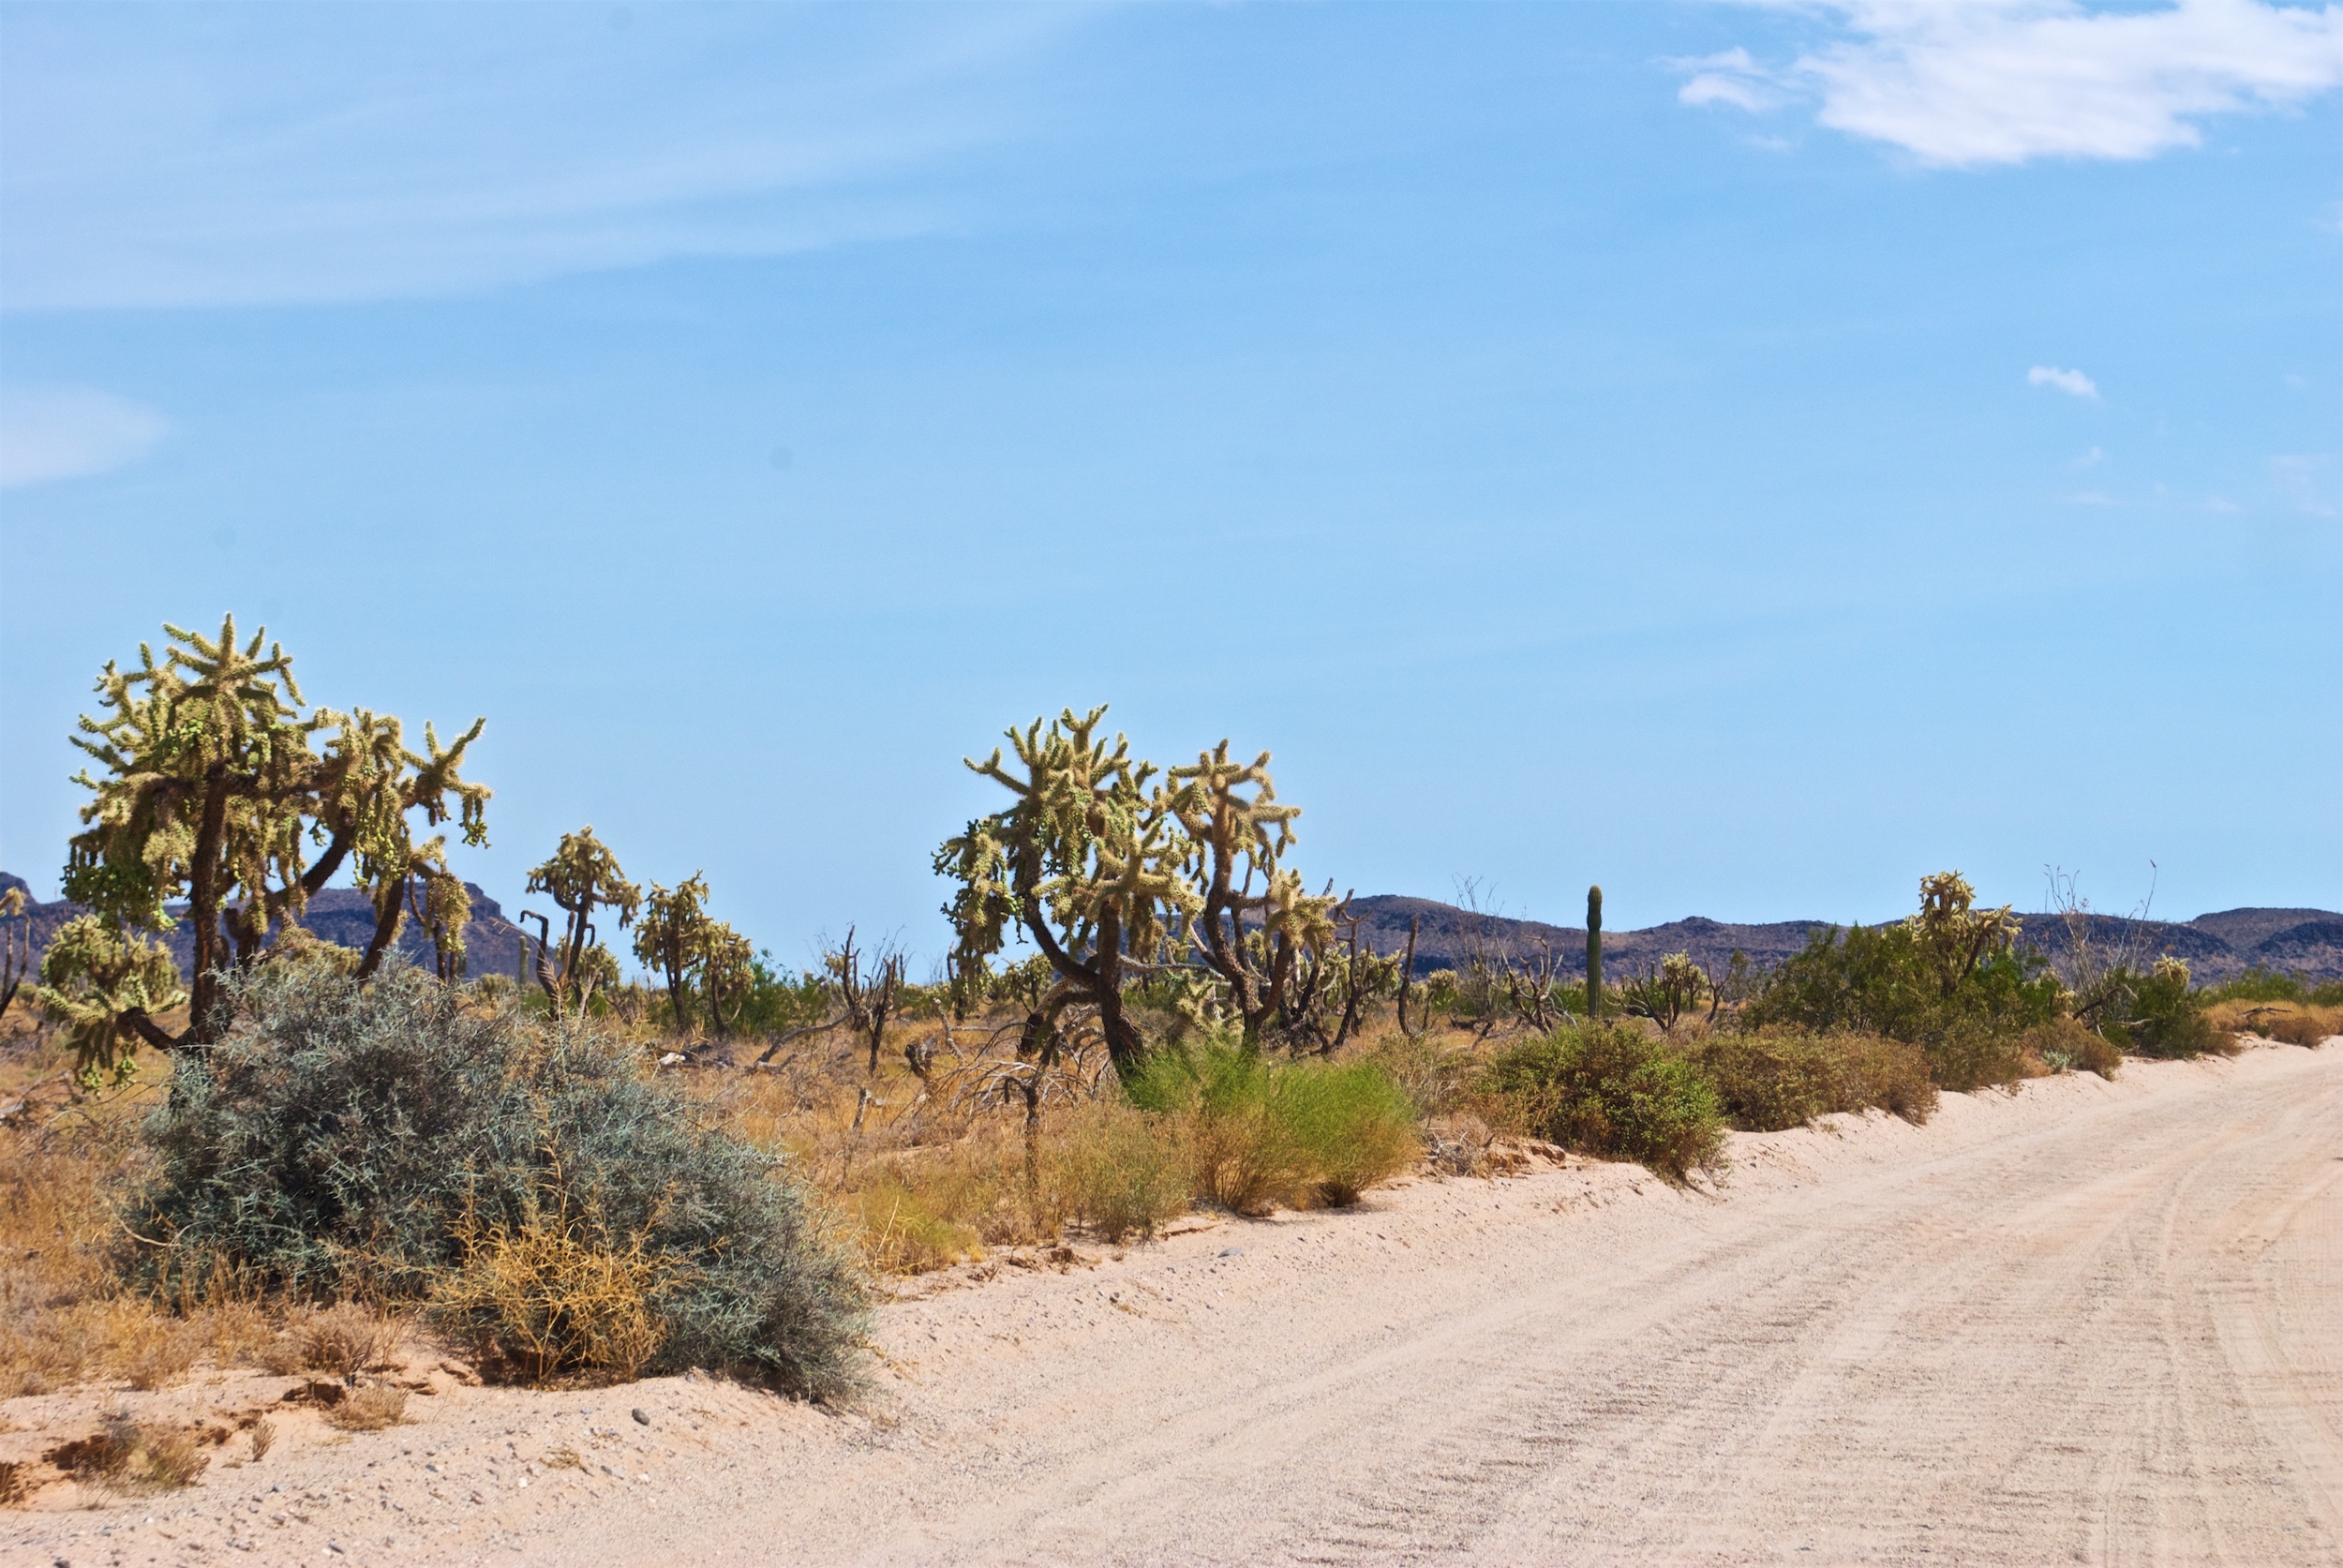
(16, 946)
(582, 877)
(205, 773)
(99, 982)
(369, 785)
(670, 938)
(1255, 922)
(1667, 992)
(1085, 863)
(209, 786)
(1955, 935)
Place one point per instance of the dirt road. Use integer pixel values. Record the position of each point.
(2092, 1322)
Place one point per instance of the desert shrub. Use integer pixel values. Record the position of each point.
(1771, 1078)
(1116, 1172)
(1614, 1093)
(2308, 1026)
(133, 1458)
(2066, 1046)
(2156, 1014)
(345, 1340)
(1877, 979)
(1355, 1126)
(1240, 1153)
(551, 1293)
(1769, 1082)
(1885, 1075)
(1436, 1077)
(2258, 984)
(343, 1141)
(1258, 1134)
(909, 1222)
(1972, 1053)
(362, 1410)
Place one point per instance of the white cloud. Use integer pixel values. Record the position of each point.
(2072, 382)
(70, 432)
(1962, 83)
(1732, 78)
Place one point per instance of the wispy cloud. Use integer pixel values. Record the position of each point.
(1732, 78)
(179, 156)
(2072, 382)
(48, 433)
(1987, 81)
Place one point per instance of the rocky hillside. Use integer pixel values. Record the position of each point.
(2216, 946)
(342, 914)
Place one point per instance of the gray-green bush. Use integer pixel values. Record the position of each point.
(1612, 1092)
(345, 1140)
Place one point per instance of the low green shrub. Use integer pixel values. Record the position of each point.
(2258, 984)
(1614, 1093)
(1355, 1126)
(382, 1141)
(1951, 980)
(2156, 1014)
(1260, 1134)
(1115, 1170)
(1766, 1083)
(1973, 1054)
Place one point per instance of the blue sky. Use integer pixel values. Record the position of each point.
(1750, 455)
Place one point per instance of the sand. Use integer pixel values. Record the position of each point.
(2089, 1322)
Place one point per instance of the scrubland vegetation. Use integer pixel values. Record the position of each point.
(311, 1151)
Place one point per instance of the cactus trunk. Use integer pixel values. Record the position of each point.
(1594, 953)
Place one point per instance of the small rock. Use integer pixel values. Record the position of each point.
(641, 1419)
(1232, 1252)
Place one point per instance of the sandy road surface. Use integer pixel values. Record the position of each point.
(2091, 1322)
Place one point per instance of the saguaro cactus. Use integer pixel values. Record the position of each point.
(1594, 953)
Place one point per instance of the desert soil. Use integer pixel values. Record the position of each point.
(2091, 1322)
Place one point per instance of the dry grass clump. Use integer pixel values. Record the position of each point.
(555, 1294)
(1115, 1170)
(1771, 1078)
(2063, 1045)
(1101, 1165)
(365, 1409)
(132, 1459)
(66, 1315)
(2288, 1022)
(346, 1339)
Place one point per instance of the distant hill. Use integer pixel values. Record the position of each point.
(493, 945)
(2218, 946)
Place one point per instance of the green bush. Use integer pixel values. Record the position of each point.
(2156, 1014)
(1971, 1054)
(1115, 1171)
(1878, 980)
(1777, 1079)
(374, 1140)
(2258, 984)
(1355, 1125)
(1261, 1133)
(1614, 1093)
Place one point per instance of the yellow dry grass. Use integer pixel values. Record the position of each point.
(64, 1315)
(2288, 1022)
